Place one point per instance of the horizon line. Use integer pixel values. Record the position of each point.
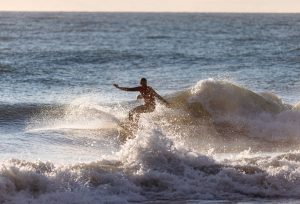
(204, 12)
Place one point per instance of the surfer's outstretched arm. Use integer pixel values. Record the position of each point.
(161, 99)
(126, 88)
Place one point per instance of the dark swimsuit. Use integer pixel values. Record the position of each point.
(149, 98)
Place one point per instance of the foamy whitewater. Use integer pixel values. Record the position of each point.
(232, 133)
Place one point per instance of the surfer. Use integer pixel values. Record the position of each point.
(149, 95)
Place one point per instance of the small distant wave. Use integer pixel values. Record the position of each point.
(247, 39)
(154, 37)
(294, 49)
(5, 39)
(5, 68)
(93, 57)
(82, 57)
(21, 112)
(178, 57)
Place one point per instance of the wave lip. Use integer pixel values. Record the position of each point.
(221, 97)
(237, 113)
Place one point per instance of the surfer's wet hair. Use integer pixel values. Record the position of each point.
(143, 81)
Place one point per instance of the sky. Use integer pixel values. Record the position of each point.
(282, 6)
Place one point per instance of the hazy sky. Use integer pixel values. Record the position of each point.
(153, 5)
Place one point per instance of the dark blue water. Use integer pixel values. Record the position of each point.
(54, 57)
(231, 135)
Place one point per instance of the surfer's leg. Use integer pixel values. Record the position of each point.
(134, 115)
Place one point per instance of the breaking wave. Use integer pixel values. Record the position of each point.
(151, 167)
(219, 141)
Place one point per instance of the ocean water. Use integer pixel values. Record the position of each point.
(232, 134)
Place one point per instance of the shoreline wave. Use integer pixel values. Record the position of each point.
(149, 168)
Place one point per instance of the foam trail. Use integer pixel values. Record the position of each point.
(75, 117)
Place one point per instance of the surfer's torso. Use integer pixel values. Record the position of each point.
(148, 95)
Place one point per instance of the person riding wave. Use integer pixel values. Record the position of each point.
(149, 95)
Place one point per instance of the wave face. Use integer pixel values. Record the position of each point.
(219, 141)
(237, 113)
